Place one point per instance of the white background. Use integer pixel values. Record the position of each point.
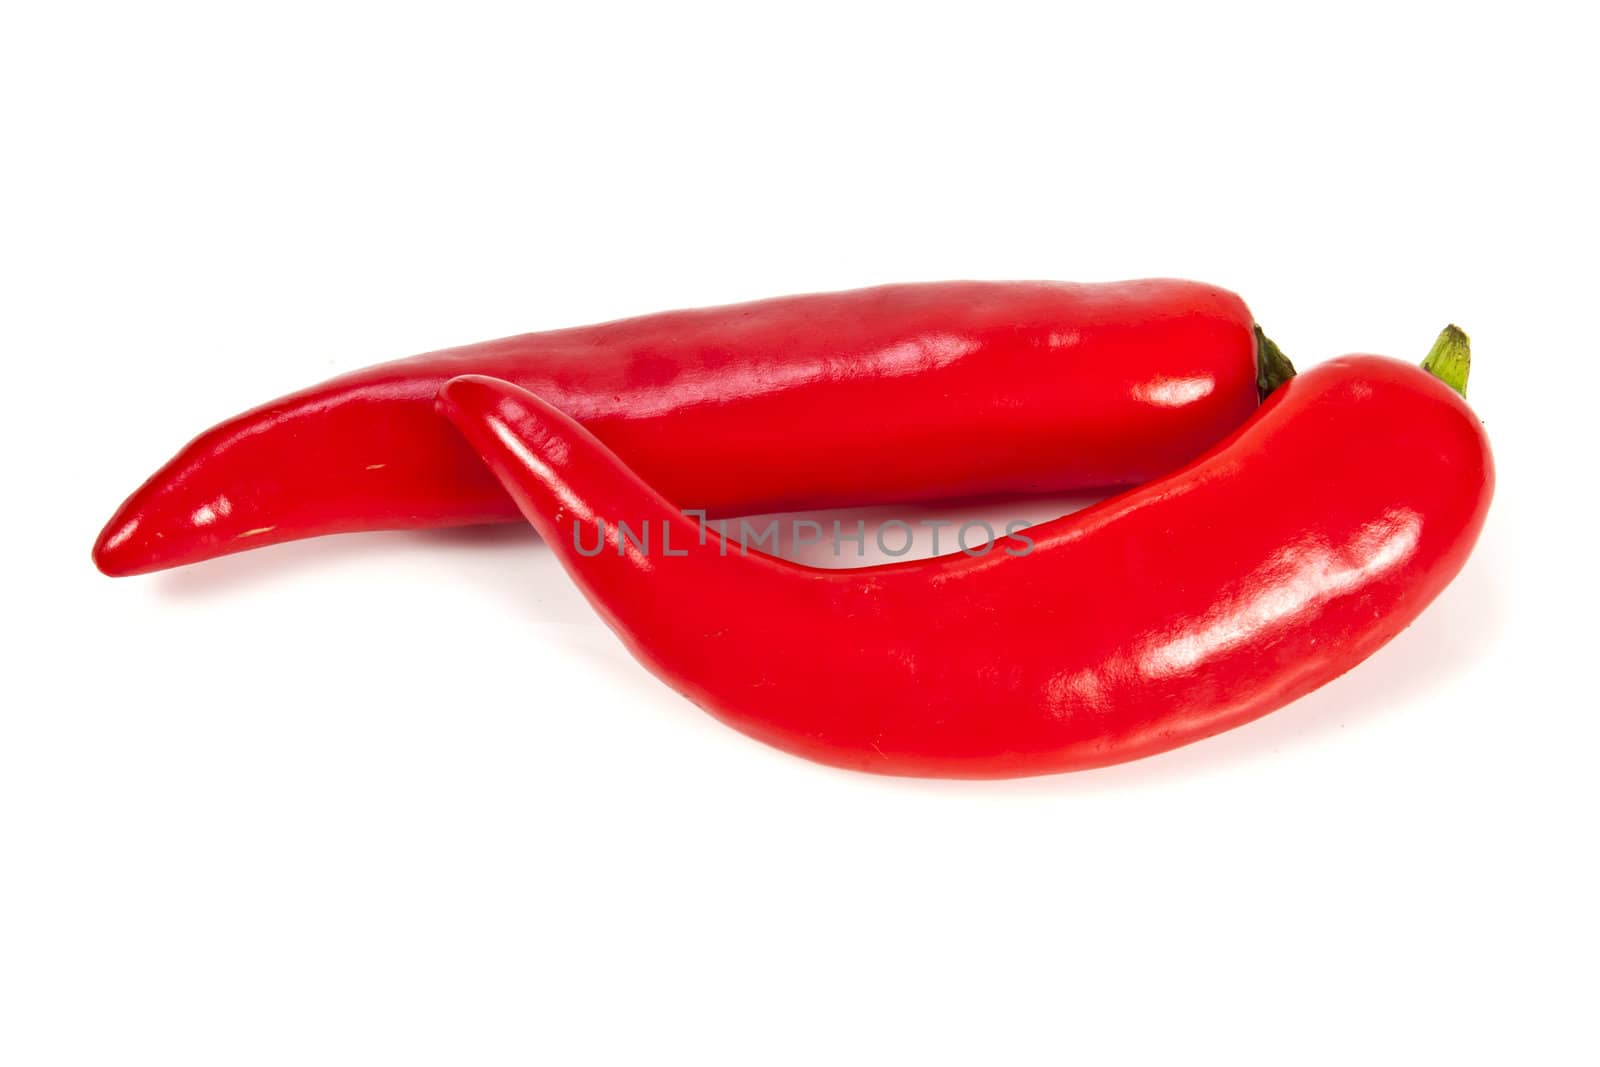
(400, 798)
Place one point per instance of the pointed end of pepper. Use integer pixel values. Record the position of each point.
(158, 527)
(504, 423)
(175, 518)
(114, 553)
(521, 438)
(468, 393)
(497, 419)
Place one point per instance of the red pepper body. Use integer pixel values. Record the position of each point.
(1196, 602)
(876, 395)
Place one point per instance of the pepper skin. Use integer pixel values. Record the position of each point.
(904, 392)
(1280, 559)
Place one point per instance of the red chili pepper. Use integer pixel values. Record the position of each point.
(1210, 596)
(877, 395)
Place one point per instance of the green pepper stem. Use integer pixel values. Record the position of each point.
(1272, 366)
(1450, 359)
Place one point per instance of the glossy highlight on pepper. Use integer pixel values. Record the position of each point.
(896, 393)
(1281, 558)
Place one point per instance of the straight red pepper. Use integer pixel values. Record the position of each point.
(1205, 598)
(904, 392)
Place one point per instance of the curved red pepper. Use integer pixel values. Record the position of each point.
(872, 396)
(1280, 559)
